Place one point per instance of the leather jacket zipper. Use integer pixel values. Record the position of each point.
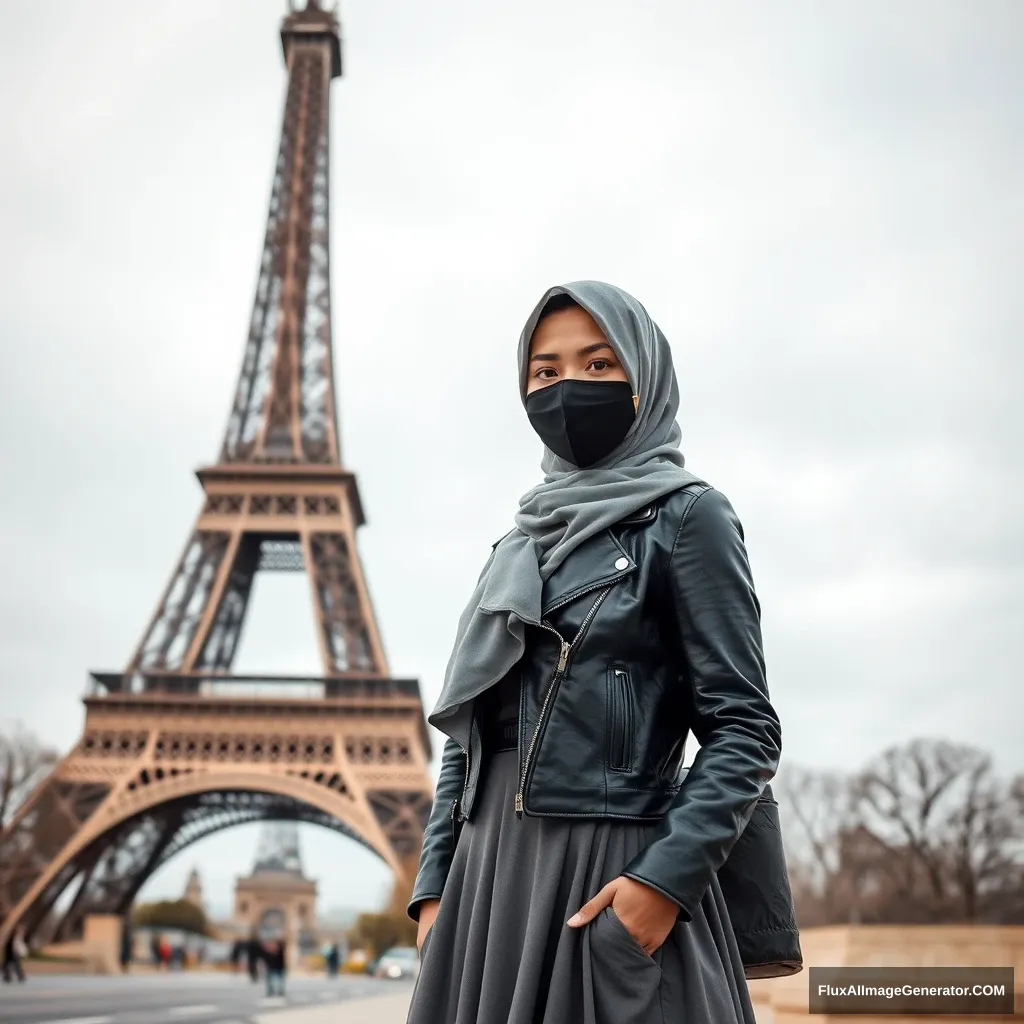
(458, 806)
(563, 661)
(620, 745)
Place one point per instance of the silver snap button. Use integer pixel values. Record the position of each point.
(622, 563)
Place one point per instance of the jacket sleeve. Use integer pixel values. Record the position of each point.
(717, 615)
(439, 835)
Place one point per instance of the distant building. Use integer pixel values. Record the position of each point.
(194, 890)
(277, 901)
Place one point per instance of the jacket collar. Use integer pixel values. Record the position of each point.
(643, 515)
(598, 562)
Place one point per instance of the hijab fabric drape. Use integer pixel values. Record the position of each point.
(570, 505)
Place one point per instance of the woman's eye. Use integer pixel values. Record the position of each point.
(600, 364)
(545, 373)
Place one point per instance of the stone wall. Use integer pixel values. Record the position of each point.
(784, 1000)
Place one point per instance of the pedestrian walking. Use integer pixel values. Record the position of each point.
(127, 944)
(329, 951)
(274, 958)
(15, 950)
(253, 955)
(572, 869)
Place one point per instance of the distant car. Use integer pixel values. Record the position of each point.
(358, 962)
(398, 962)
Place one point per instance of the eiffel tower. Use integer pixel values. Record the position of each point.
(176, 747)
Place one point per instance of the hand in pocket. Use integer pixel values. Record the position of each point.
(644, 912)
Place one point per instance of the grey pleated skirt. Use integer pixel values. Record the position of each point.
(500, 951)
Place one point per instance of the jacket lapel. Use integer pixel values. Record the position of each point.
(600, 561)
(597, 562)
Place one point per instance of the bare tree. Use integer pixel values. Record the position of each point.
(1000, 896)
(24, 761)
(946, 825)
(925, 833)
(817, 808)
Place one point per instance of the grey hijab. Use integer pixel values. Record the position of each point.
(571, 505)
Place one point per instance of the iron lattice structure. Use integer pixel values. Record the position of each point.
(176, 748)
(279, 849)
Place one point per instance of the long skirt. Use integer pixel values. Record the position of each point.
(500, 951)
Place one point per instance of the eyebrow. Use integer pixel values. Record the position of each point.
(553, 357)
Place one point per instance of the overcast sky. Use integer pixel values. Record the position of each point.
(822, 204)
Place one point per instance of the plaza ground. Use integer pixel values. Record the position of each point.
(200, 998)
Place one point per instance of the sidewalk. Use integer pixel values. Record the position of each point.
(388, 1009)
(392, 1009)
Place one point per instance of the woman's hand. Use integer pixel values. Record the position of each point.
(428, 911)
(644, 912)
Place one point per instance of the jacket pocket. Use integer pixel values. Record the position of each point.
(620, 719)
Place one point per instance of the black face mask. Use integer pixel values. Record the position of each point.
(582, 421)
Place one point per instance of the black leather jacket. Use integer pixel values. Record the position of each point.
(651, 632)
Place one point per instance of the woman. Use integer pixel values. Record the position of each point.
(567, 873)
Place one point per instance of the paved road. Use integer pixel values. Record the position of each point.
(171, 999)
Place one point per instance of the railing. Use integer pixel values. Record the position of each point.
(221, 685)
